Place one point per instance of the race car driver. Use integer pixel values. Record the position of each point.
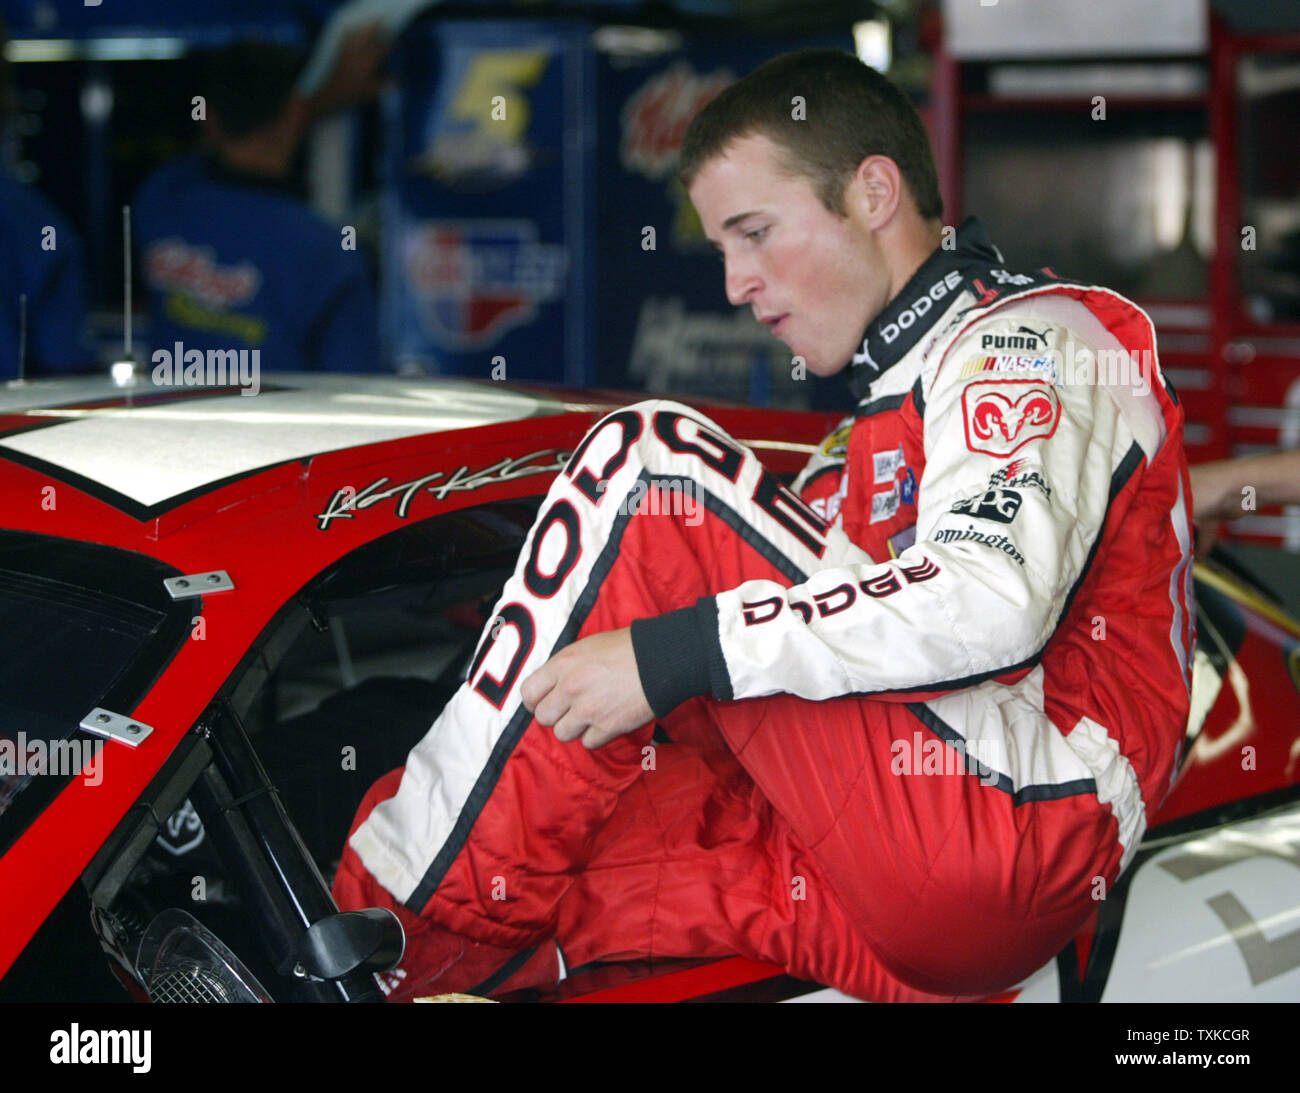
(899, 733)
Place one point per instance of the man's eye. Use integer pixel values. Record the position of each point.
(756, 235)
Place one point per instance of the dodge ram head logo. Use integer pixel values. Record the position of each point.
(1002, 416)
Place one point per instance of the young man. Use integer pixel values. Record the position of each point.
(918, 723)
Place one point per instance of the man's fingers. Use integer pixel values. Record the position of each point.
(537, 686)
(585, 691)
(596, 737)
(543, 696)
(570, 727)
(551, 708)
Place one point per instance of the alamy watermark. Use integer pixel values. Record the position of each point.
(932, 756)
(1076, 365)
(662, 497)
(20, 757)
(115, 1047)
(181, 367)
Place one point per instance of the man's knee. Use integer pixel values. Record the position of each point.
(970, 950)
(986, 917)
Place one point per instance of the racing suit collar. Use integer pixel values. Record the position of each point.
(940, 279)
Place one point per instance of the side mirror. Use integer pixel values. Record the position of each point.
(352, 941)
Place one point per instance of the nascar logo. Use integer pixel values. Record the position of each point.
(1012, 363)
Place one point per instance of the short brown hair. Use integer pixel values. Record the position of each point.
(249, 82)
(851, 112)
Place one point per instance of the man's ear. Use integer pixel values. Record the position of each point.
(876, 191)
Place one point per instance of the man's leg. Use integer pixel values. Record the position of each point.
(802, 842)
(695, 862)
(956, 883)
(494, 817)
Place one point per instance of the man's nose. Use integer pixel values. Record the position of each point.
(742, 279)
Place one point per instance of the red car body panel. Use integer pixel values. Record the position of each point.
(1251, 711)
(263, 529)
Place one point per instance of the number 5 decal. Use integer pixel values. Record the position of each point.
(491, 95)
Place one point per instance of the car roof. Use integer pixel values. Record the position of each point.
(152, 444)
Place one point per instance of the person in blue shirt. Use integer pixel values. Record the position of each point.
(43, 260)
(231, 257)
(41, 257)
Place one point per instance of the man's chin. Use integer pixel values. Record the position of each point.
(812, 361)
(798, 354)
(819, 367)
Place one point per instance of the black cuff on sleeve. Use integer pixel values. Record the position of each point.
(706, 612)
(671, 658)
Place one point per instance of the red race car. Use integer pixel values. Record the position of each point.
(226, 617)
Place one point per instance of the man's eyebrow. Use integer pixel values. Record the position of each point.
(732, 221)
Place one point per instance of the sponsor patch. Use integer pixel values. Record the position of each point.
(993, 504)
(836, 446)
(828, 508)
(1007, 362)
(907, 317)
(1002, 277)
(907, 489)
(884, 504)
(1002, 416)
(1019, 475)
(1031, 338)
(886, 465)
(970, 535)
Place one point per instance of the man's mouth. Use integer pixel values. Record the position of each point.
(775, 322)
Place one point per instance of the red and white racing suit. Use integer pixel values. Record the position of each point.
(917, 724)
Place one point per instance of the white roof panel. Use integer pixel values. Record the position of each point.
(159, 450)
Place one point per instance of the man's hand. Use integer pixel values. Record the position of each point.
(590, 689)
(355, 77)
